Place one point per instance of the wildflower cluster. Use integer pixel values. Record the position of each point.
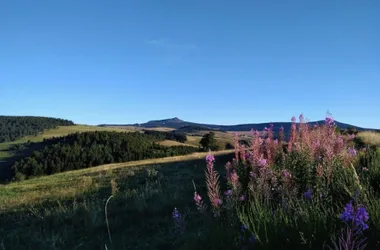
(356, 217)
(272, 171)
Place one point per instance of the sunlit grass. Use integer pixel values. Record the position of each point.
(369, 137)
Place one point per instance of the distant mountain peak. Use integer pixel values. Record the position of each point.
(176, 119)
(170, 120)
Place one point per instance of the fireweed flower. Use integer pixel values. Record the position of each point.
(294, 119)
(197, 197)
(252, 174)
(210, 158)
(262, 163)
(218, 201)
(234, 179)
(340, 139)
(329, 120)
(352, 152)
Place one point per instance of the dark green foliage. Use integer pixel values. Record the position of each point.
(229, 146)
(370, 160)
(173, 136)
(244, 142)
(196, 128)
(302, 168)
(208, 142)
(83, 150)
(15, 127)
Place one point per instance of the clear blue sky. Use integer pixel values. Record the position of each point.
(224, 62)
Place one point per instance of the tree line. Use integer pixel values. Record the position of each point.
(88, 149)
(161, 135)
(15, 127)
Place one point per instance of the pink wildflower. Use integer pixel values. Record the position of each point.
(197, 197)
(262, 163)
(287, 174)
(210, 158)
(234, 179)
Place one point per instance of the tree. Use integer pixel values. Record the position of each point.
(208, 142)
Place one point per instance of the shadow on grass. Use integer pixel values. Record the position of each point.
(139, 215)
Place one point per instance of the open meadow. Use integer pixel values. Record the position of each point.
(66, 211)
(318, 190)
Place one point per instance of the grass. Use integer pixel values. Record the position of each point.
(369, 138)
(170, 143)
(66, 211)
(41, 189)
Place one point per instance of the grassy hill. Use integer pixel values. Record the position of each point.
(15, 150)
(66, 211)
(5, 147)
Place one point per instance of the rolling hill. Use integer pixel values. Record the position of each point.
(177, 123)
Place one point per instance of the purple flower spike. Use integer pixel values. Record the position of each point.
(358, 217)
(308, 194)
(210, 158)
(176, 214)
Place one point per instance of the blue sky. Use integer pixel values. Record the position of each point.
(224, 62)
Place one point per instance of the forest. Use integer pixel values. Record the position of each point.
(173, 136)
(84, 150)
(16, 127)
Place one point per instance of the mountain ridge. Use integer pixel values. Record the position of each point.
(177, 123)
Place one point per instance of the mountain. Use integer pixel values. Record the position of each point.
(177, 123)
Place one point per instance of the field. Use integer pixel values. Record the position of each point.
(370, 137)
(320, 189)
(5, 151)
(66, 211)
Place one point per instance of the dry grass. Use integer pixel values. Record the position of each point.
(369, 137)
(193, 140)
(169, 143)
(134, 128)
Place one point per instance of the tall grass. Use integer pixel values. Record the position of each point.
(369, 138)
